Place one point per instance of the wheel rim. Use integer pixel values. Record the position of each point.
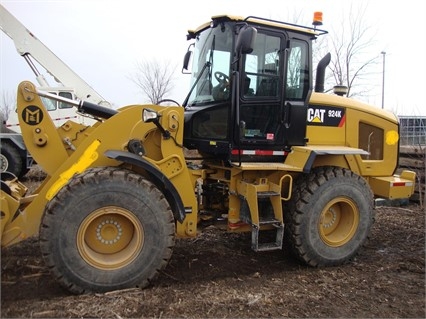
(110, 238)
(338, 222)
(3, 163)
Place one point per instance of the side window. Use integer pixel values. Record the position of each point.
(262, 68)
(63, 105)
(297, 81)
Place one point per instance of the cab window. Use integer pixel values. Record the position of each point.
(297, 80)
(262, 68)
(64, 105)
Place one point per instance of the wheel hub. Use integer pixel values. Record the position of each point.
(338, 222)
(110, 238)
(330, 218)
(3, 163)
(109, 232)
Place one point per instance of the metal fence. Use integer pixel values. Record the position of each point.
(412, 130)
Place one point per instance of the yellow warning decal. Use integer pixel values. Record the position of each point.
(89, 156)
(392, 137)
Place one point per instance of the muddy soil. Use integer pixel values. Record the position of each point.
(217, 275)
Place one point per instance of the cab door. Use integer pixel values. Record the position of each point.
(297, 90)
(274, 87)
(260, 107)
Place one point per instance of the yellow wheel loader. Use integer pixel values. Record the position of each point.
(277, 159)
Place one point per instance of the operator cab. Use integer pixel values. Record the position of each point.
(251, 82)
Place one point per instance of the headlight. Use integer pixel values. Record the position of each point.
(149, 115)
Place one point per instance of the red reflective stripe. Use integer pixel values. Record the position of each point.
(258, 152)
(64, 118)
(398, 184)
(342, 121)
(263, 152)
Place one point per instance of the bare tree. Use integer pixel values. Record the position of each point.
(350, 45)
(7, 105)
(154, 79)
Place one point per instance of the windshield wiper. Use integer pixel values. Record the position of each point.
(206, 65)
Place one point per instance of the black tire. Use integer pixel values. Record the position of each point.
(329, 216)
(10, 160)
(107, 229)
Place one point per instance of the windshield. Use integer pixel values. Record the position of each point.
(211, 65)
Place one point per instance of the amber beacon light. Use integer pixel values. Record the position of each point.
(317, 18)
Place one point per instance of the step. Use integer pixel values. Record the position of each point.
(277, 244)
(267, 194)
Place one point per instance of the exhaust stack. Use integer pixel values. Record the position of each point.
(320, 78)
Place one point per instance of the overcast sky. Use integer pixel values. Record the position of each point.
(102, 40)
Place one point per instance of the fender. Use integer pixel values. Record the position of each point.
(16, 139)
(301, 158)
(158, 178)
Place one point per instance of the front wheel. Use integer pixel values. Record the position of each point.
(329, 216)
(107, 229)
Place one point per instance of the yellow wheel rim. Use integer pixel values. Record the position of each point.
(338, 222)
(110, 238)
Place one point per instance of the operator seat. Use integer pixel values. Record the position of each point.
(268, 86)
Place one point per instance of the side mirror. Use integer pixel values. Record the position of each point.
(245, 40)
(187, 58)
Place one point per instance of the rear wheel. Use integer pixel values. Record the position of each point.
(329, 217)
(108, 229)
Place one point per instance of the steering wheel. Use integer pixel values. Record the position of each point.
(221, 77)
(222, 90)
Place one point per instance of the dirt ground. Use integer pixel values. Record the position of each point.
(217, 275)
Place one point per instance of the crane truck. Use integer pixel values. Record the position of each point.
(279, 159)
(14, 156)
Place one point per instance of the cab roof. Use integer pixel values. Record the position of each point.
(259, 21)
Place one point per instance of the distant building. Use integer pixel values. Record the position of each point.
(412, 130)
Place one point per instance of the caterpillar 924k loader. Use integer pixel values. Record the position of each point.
(276, 157)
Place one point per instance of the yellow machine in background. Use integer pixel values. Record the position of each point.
(276, 158)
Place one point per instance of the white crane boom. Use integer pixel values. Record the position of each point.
(28, 46)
